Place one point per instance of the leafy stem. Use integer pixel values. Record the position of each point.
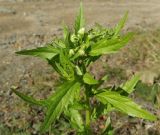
(70, 57)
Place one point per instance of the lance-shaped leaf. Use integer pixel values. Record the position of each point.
(66, 36)
(65, 31)
(59, 101)
(124, 105)
(75, 119)
(105, 46)
(47, 52)
(59, 43)
(61, 70)
(120, 24)
(65, 68)
(29, 99)
(79, 22)
(89, 79)
(130, 84)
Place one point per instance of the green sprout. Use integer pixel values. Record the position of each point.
(70, 57)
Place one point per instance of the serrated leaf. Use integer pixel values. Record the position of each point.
(79, 22)
(65, 31)
(124, 105)
(47, 52)
(121, 24)
(79, 106)
(130, 84)
(66, 65)
(29, 99)
(89, 79)
(75, 119)
(66, 35)
(59, 101)
(59, 43)
(61, 70)
(109, 46)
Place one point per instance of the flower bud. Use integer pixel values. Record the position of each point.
(71, 52)
(81, 31)
(90, 36)
(73, 38)
(81, 52)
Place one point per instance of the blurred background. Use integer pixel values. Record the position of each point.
(26, 24)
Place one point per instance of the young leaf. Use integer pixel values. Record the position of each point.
(79, 22)
(79, 105)
(124, 104)
(75, 119)
(47, 52)
(120, 24)
(30, 99)
(67, 65)
(66, 35)
(78, 70)
(88, 79)
(65, 31)
(108, 129)
(60, 43)
(59, 101)
(109, 46)
(130, 84)
(61, 71)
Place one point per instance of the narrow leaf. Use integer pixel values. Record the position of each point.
(61, 70)
(59, 101)
(89, 79)
(65, 31)
(78, 70)
(66, 35)
(66, 65)
(124, 104)
(43, 52)
(30, 99)
(121, 24)
(75, 119)
(109, 46)
(130, 84)
(60, 43)
(79, 22)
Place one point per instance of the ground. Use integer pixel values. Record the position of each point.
(31, 23)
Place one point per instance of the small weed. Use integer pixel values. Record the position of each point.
(79, 95)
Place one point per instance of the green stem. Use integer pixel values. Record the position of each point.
(88, 113)
(50, 130)
(88, 117)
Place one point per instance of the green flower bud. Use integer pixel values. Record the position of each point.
(90, 36)
(81, 52)
(71, 52)
(81, 31)
(74, 38)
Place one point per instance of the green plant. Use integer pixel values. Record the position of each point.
(70, 56)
